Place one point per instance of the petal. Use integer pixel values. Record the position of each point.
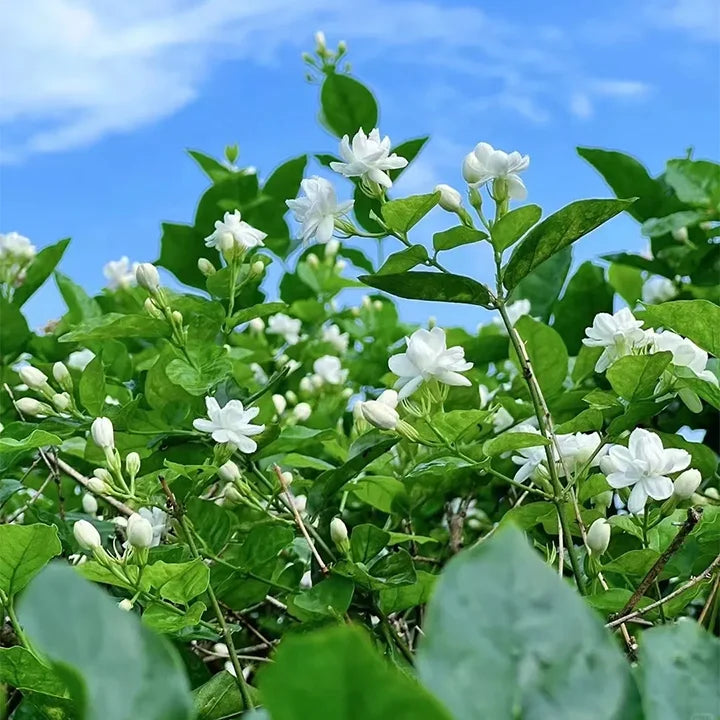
(410, 387)
(204, 425)
(402, 366)
(674, 460)
(325, 229)
(525, 472)
(452, 378)
(659, 487)
(620, 479)
(637, 500)
(516, 187)
(244, 444)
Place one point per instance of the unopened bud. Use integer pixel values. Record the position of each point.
(300, 503)
(331, 248)
(339, 534)
(62, 376)
(87, 537)
(221, 650)
(229, 472)
(380, 415)
(32, 377)
(312, 260)
(206, 267)
(302, 411)
(366, 301)
(280, 403)
(342, 46)
(31, 406)
(257, 268)
(102, 433)
(126, 605)
(320, 41)
(377, 305)
(177, 317)
(139, 531)
(89, 504)
(232, 494)
(287, 477)
(598, 536)
(132, 464)
(291, 397)
(306, 385)
(97, 485)
(680, 235)
(686, 484)
(340, 265)
(257, 325)
(450, 198)
(152, 309)
(147, 277)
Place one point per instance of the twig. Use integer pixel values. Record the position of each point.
(709, 601)
(82, 480)
(300, 523)
(693, 517)
(31, 501)
(702, 577)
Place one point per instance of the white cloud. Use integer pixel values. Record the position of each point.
(84, 69)
(698, 18)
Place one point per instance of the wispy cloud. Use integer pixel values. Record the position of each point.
(84, 69)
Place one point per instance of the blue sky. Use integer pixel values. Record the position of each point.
(101, 99)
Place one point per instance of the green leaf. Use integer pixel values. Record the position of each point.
(181, 246)
(409, 149)
(40, 270)
(14, 330)
(695, 182)
(698, 320)
(404, 260)
(634, 563)
(36, 439)
(380, 492)
(215, 170)
(284, 181)
(20, 669)
(656, 227)
(634, 377)
(257, 311)
(677, 672)
(330, 598)
(401, 215)
(24, 550)
(556, 232)
(131, 674)
(163, 620)
(513, 225)
(508, 441)
(81, 307)
(397, 599)
(92, 387)
(627, 282)
(492, 646)
(363, 686)
(456, 236)
(440, 287)
(366, 541)
(115, 326)
(585, 421)
(199, 380)
(178, 582)
(628, 178)
(586, 295)
(547, 353)
(219, 699)
(347, 106)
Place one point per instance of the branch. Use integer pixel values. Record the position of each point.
(82, 480)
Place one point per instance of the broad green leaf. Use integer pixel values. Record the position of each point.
(456, 236)
(696, 182)
(91, 387)
(36, 439)
(698, 320)
(440, 287)
(40, 270)
(547, 353)
(8, 487)
(634, 563)
(81, 307)
(492, 646)
(24, 550)
(364, 687)
(284, 181)
(409, 149)
(543, 285)
(347, 106)
(163, 620)
(404, 260)
(257, 311)
(678, 672)
(263, 543)
(513, 225)
(329, 598)
(628, 178)
(237, 192)
(178, 582)
(220, 699)
(181, 246)
(397, 599)
(656, 227)
(634, 377)
(585, 421)
(131, 674)
(114, 326)
(627, 282)
(586, 295)
(14, 330)
(401, 215)
(214, 169)
(507, 441)
(211, 522)
(556, 232)
(366, 541)
(20, 669)
(201, 379)
(380, 492)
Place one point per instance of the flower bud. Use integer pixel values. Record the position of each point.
(177, 317)
(152, 309)
(300, 503)
(257, 325)
(680, 235)
(125, 604)
(280, 404)
(306, 581)
(97, 485)
(62, 376)
(302, 411)
(342, 46)
(598, 536)
(103, 474)
(389, 398)
(88, 538)
(377, 305)
(306, 385)
(61, 401)
(257, 268)
(287, 477)
(331, 248)
(232, 494)
(291, 397)
(89, 504)
(31, 406)
(339, 533)
(312, 260)
(320, 45)
(33, 377)
(147, 277)
(102, 433)
(380, 415)
(229, 472)
(139, 531)
(340, 265)
(206, 267)
(132, 464)
(450, 198)
(686, 484)
(366, 301)
(221, 650)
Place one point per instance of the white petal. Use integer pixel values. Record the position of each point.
(637, 500)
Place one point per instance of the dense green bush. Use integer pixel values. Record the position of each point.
(250, 501)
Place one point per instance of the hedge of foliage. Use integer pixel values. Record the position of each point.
(224, 497)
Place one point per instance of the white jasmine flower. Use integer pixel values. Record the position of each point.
(287, 327)
(337, 339)
(658, 289)
(368, 158)
(158, 520)
(329, 369)
(317, 209)
(428, 358)
(619, 334)
(125, 604)
(502, 420)
(645, 465)
(257, 325)
(119, 273)
(485, 163)
(231, 232)
(259, 375)
(16, 247)
(514, 311)
(80, 359)
(685, 354)
(230, 424)
(577, 449)
(532, 460)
